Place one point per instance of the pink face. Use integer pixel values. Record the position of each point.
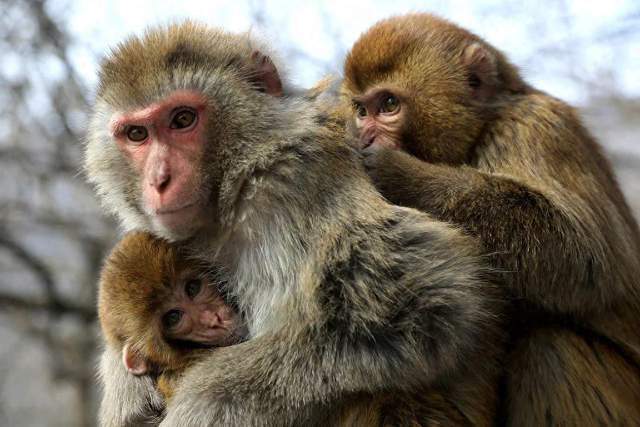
(165, 143)
(379, 119)
(197, 313)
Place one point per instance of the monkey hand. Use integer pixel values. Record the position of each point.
(393, 172)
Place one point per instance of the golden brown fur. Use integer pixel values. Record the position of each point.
(138, 275)
(516, 167)
(138, 272)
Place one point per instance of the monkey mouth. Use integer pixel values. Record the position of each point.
(177, 222)
(382, 141)
(367, 141)
(174, 210)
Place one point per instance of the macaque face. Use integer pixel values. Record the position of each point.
(173, 110)
(193, 315)
(442, 82)
(197, 313)
(165, 142)
(380, 118)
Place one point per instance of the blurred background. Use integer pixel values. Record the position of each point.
(52, 232)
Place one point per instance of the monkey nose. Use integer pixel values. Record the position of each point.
(368, 134)
(366, 139)
(161, 181)
(209, 318)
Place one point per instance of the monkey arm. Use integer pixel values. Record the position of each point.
(531, 233)
(414, 312)
(283, 382)
(251, 381)
(127, 400)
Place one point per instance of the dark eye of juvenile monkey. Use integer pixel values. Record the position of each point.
(474, 81)
(390, 104)
(137, 133)
(192, 288)
(183, 118)
(360, 110)
(171, 318)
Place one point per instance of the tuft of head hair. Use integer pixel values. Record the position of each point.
(185, 55)
(403, 48)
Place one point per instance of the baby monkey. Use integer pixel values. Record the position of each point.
(162, 310)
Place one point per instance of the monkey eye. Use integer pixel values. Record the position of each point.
(171, 318)
(192, 288)
(137, 133)
(183, 118)
(360, 110)
(390, 104)
(474, 81)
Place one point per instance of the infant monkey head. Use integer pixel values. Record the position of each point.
(160, 308)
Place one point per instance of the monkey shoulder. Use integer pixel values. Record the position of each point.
(540, 118)
(428, 249)
(538, 132)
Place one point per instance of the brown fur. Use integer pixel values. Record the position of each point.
(140, 273)
(515, 167)
(465, 402)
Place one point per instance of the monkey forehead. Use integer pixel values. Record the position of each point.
(140, 268)
(188, 55)
(404, 48)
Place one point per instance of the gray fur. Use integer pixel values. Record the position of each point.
(344, 294)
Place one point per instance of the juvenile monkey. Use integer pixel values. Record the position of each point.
(161, 310)
(448, 126)
(344, 295)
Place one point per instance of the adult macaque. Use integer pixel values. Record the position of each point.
(161, 310)
(344, 295)
(448, 126)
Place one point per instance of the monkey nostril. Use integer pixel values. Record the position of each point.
(162, 183)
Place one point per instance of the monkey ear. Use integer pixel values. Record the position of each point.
(266, 74)
(483, 70)
(133, 361)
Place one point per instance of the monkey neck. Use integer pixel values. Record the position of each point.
(287, 218)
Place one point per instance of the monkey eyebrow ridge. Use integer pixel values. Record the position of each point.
(181, 98)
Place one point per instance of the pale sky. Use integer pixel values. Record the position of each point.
(325, 29)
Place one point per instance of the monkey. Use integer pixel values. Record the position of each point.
(161, 310)
(447, 126)
(195, 137)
